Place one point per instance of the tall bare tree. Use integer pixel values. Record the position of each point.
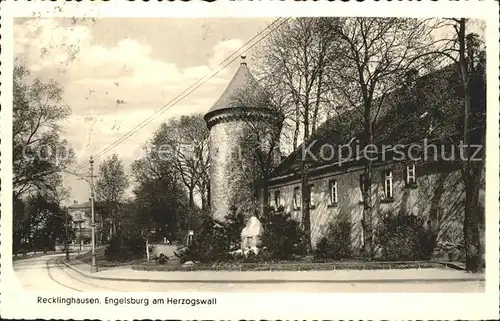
(192, 155)
(373, 58)
(184, 143)
(297, 56)
(466, 51)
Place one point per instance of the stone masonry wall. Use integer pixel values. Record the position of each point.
(228, 176)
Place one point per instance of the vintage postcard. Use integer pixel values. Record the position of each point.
(249, 160)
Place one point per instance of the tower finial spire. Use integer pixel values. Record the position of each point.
(243, 57)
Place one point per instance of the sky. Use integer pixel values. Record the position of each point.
(116, 72)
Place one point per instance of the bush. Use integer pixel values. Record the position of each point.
(234, 224)
(210, 244)
(84, 239)
(336, 244)
(124, 248)
(404, 237)
(282, 237)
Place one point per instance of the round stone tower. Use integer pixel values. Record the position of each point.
(230, 122)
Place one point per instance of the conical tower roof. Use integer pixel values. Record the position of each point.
(243, 83)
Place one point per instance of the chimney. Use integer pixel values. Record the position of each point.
(75, 202)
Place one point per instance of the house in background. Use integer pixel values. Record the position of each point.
(81, 220)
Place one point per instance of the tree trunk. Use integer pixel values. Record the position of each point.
(367, 222)
(471, 213)
(208, 193)
(471, 231)
(304, 182)
(317, 103)
(203, 200)
(367, 213)
(306, 208)
(297, 126)
(191, 197)
(264, 205)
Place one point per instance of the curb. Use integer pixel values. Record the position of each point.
(145, 280)
(451, 265)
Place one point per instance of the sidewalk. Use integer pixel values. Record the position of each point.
(338, 276)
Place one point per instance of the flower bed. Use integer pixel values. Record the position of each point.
(290, 266)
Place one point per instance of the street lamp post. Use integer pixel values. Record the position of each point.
(93, 267)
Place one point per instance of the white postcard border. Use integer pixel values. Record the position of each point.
(17, 303)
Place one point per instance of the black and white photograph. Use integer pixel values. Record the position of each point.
(266, 154)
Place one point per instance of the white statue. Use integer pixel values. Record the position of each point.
(250, 235)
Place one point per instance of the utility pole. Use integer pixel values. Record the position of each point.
(66, 245)
(93, 267)
(80, 228)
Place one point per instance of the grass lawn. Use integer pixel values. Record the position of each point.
(101, 259)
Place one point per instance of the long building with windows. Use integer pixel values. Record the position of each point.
(416, 165)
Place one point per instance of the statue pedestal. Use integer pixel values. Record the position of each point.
(250, 235)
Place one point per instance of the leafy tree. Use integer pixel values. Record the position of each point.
(110, 189)
(162, 205)
(39, 154)
(41, 222)
(161, 194)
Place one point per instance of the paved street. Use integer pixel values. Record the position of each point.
(48, 273)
